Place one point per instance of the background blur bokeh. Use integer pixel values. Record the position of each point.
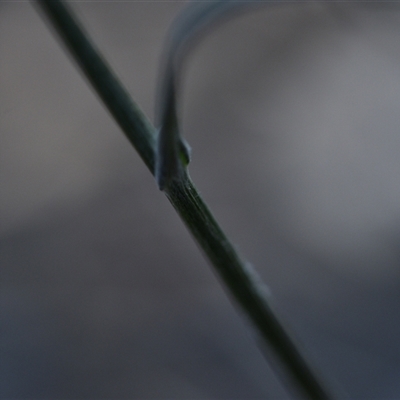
(293, 114)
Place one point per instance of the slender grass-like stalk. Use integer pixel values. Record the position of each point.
(241, 282)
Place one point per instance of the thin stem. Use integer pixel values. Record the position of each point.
(240, 281)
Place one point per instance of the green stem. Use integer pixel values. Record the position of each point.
(241, 282)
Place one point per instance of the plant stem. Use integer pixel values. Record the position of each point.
(240, 281)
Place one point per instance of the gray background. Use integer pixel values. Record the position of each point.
(293, 115)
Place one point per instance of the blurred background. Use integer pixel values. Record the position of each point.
(293, 114)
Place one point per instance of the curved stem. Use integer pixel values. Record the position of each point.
(241, 282)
